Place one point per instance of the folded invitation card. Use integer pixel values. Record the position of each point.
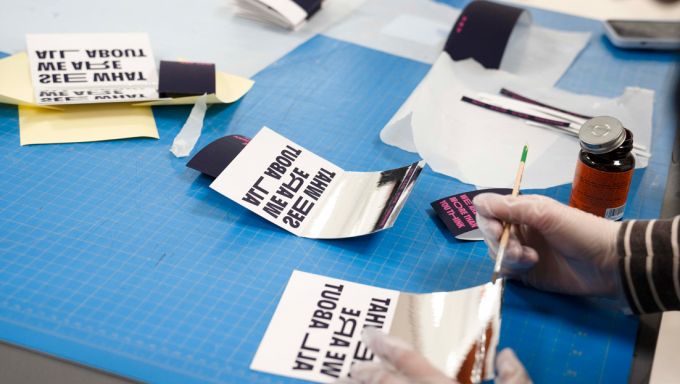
(309, 196)
(315, 332)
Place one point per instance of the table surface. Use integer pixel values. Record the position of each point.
(117, 256)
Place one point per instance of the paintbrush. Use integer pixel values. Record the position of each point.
(505, 236)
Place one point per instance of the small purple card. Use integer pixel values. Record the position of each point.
(458, 213)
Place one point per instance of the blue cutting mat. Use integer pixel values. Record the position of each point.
(117, 256)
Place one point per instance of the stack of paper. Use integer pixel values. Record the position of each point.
(289, 14)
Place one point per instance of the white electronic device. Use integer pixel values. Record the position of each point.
(644, 34)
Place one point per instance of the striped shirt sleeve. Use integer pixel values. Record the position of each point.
(649, 264)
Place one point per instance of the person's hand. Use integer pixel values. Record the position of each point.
(552, 246)
(401, 364)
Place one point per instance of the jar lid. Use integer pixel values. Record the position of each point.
(601, 134)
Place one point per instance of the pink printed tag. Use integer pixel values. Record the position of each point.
(458, 213)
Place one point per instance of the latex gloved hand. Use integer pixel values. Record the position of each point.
(401, 364)
(552, 246)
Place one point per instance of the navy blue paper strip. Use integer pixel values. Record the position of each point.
(216, 156)
(177, 79)
(481, 32)
(310, 6)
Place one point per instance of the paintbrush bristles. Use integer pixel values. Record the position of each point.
(505, 237)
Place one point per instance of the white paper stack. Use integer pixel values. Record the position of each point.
(288, 14)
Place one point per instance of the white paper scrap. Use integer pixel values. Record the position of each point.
(191, 130)
(418, 29)
(542, 54)
(373, 25)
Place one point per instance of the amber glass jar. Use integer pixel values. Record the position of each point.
(604, 169)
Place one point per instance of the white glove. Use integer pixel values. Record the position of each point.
(401, 364)
(509, 370)
(552, 246)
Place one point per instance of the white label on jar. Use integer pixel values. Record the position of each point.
(614, 213)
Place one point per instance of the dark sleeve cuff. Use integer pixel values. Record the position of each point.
(646, 265)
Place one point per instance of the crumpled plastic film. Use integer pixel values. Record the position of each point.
(480, 147)
(191, 130)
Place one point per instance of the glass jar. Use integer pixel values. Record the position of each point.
(604, 169)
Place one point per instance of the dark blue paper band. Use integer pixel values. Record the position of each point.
(481, 32)
(216, 156)
(310, 6)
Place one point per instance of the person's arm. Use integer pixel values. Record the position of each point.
(649, 264)
(562, 249)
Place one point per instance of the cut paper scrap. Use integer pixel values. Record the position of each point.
(187, 137)
(478, 146)
(309, 196)
(315, 332)
(418, 30)
(216, 156)
(458, 213)
(82, 123)
(228, 89)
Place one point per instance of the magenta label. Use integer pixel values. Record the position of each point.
(457, 211)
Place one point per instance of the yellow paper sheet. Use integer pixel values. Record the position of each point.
(88, 122)
(15, 80)
(228, 89)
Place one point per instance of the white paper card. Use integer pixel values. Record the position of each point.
(271, 177)
(309, 196)
(92, 68)
(315, 333)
